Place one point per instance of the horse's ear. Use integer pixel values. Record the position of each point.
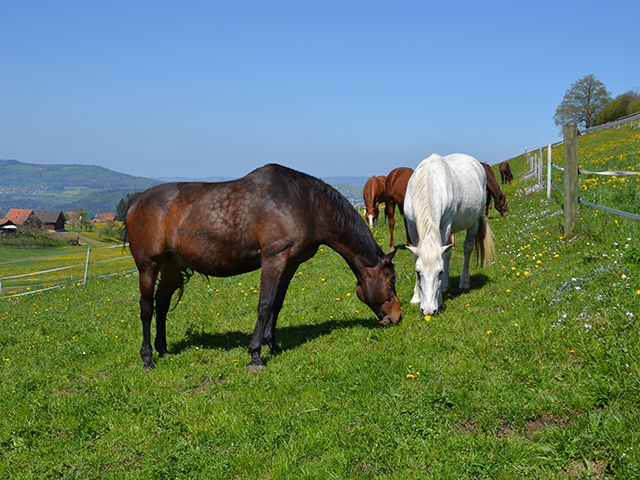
(412, 249)
(388, 258)
(446, 249)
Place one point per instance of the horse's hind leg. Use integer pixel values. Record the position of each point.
(147, 282)
(170, 280)
(469, 242)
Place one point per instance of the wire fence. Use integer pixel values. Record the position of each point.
(594, 205)
(26, 276)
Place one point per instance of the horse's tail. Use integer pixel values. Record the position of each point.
(129, 199)
(485, 244)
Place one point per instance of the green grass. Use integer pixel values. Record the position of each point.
(532, 374)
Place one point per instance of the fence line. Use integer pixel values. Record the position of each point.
(66, 267)
(580, 199)
(608, 173)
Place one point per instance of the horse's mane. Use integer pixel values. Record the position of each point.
(347, 220)
(422, 201)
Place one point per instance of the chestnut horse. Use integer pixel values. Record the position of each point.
(373, 195)
(274, 218)
(493, 191)
(395, 188)
(505, 173)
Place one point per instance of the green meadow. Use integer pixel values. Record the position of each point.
(534, 373)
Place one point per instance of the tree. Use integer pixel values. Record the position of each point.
(82, 217)
(121, 209)
(619, 107)
(582, 102)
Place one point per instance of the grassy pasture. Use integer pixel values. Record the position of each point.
(534, 373)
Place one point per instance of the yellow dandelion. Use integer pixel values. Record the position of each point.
(410, 375)
(489, 332)
(427, 317)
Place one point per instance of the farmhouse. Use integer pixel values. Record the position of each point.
(103, 217)
(6, 225)
(47, 219)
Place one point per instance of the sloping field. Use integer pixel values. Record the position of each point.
(532, 374)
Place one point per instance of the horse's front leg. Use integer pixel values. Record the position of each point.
(269, 337)
(390, 211)
(270, 279)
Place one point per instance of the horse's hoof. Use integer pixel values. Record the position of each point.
(148, 367)
(254, 368)
(385, 322)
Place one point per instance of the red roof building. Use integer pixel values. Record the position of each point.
(103, 217)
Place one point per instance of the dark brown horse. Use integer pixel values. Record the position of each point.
(505, 173)
(493, 191)
(395, 188)
(373, 195)
(274, 218)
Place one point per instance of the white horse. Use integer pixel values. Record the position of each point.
(444, 196)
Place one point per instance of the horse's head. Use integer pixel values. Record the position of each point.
(430, 272)
(377, 288)
(501, 204)
(372, 216)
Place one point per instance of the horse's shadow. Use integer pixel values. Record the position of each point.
(477, 281)
(288, 337)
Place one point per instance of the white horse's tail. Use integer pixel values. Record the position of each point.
(485, 245)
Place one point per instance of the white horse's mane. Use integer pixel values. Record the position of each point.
(422, 197)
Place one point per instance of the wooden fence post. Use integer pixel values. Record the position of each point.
(570, 177)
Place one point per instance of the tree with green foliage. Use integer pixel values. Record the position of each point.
(621, 106)
(83, 218)
(121, 209)
(582, 102)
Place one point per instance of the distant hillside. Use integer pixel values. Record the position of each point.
(58, 178)
(358, 181)
(98, 189)
(65, 187)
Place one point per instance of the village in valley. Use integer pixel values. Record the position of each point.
(26, 220)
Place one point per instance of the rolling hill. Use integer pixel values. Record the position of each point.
(65, 187)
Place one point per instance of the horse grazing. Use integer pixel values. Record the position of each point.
(444, 196)
(493, 191)
(373, 195)
(274, 218)
(505, 173)
(395, 188)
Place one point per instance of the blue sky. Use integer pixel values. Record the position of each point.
(205, 89)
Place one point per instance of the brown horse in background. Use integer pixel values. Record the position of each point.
(505, 173)
(493, 190)
(395, 189)
(373, 195)
(274, 218)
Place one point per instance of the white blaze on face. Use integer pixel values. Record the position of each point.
(370, 216)
(429, 276)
